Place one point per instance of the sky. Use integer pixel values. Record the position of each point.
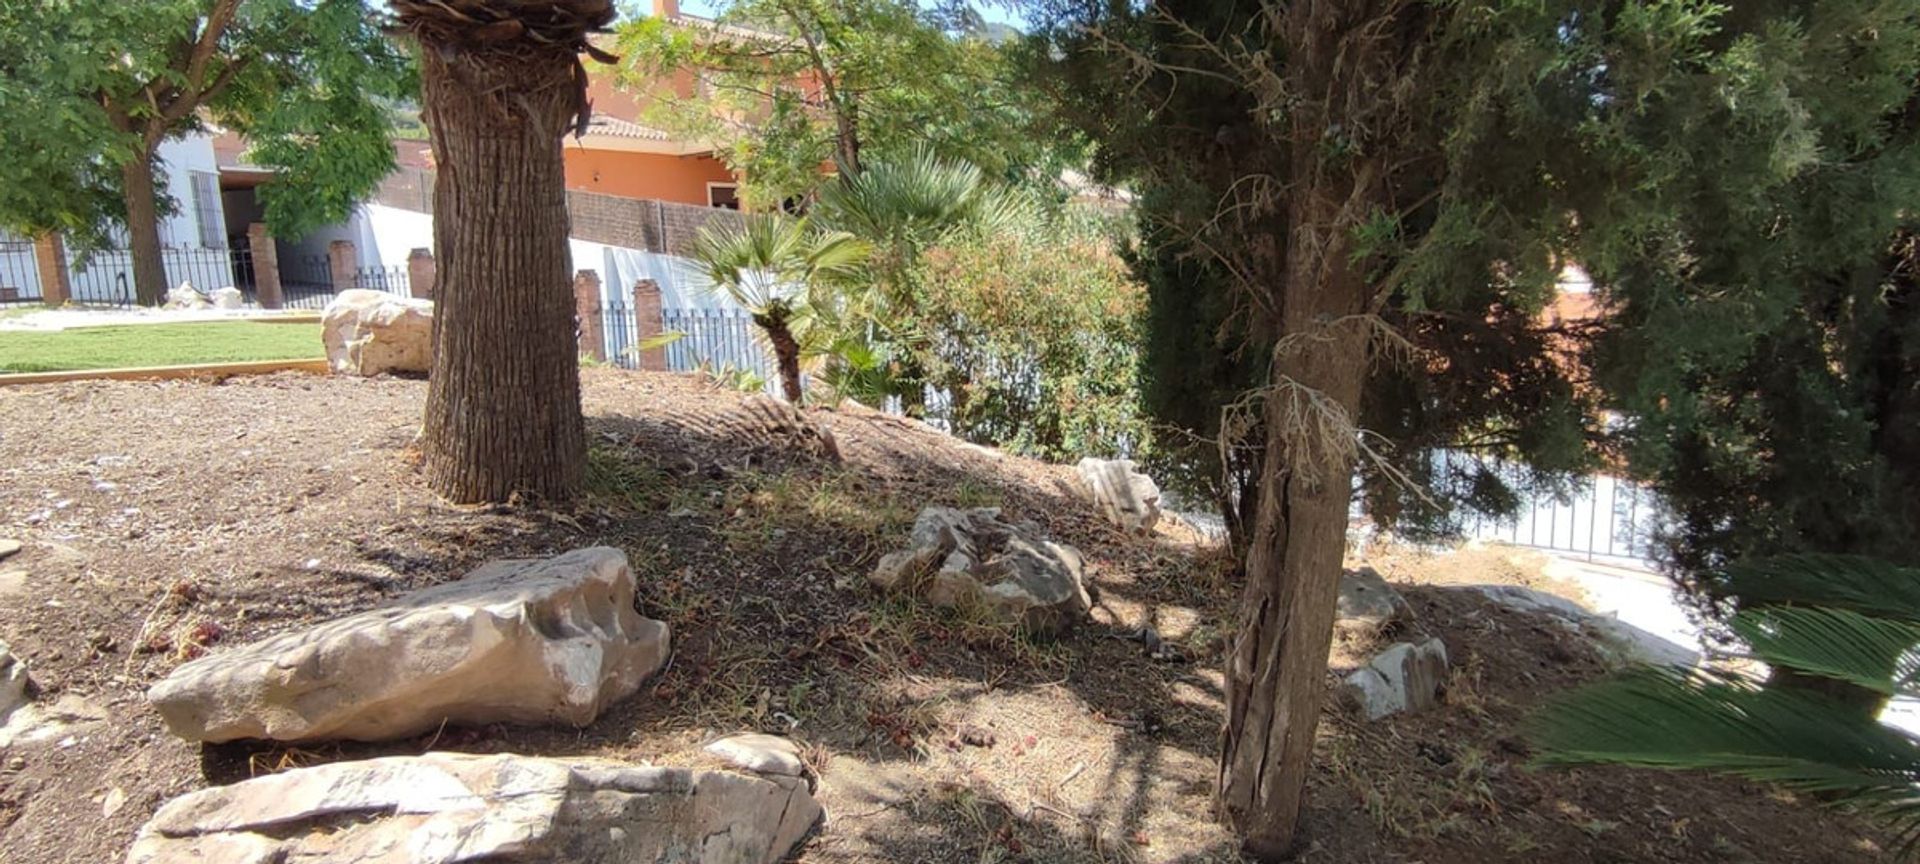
(996, 13)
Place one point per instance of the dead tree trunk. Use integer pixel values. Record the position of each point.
(143, 231)
(501, 86)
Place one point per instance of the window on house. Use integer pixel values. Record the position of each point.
(723, 195)
(206, 210)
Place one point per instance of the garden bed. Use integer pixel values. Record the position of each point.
(163, 519)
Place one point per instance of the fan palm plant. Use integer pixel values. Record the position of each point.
(784, 273)
(1863, 633)
(902, 207)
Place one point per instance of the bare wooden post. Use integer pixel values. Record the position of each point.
(648, 323)
(343, 264)
(50, 256)
(586, 308)
(421, 273)
(266, 267)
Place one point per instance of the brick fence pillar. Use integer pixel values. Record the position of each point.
(266, 267)
(343, 264)
(421, 272)
(586, 310)
(50, 257)
(649, 324)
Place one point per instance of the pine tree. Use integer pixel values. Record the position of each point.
(1393, 188)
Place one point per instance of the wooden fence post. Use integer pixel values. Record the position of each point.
(50, 256)
(421, 273)
(648, 324)
(266, 267)
(586, 309)
(343, 264)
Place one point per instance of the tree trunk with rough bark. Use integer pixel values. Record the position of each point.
(143, 231)
(503, 398)
(1276, 673)
(786, 354)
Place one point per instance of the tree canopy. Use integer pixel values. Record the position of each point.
(1387, 191)
(783, 87)
(90, 88)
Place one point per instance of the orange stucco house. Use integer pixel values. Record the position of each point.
(619, 155)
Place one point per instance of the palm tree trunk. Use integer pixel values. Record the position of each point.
(503, 399)
(786, 354)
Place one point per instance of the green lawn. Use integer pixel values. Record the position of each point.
(157, 345)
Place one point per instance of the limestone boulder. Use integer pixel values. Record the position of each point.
(964, 557)
(373, 332)
(443, 808)
(1368, 606)
(1406, 678)
(185, 296)
(229, 298)
(1127, 497)
(760, 753)
(527, 641)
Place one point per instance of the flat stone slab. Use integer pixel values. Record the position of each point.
(443, 808)
(1127, 497)
(530, 641)
(8, 548)
(760, 753)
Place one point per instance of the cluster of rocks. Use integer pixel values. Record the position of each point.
(976, 558)
(1406, 676)
(185, 296)
(526, 641)
(373, 332)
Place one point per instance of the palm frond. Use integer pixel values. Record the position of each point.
(1853, 582)
(1873, 653)
(913, 201)
(1675, 720)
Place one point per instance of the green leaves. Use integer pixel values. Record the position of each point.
(782, 87)
(87, 84)
(1797, 736)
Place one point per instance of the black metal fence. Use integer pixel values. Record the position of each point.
(392, 280)
(306, 282)
(1599, 516)
(19, 272)
(105, 276)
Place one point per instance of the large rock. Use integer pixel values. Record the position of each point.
(1125, 496)
(371, 332)
(442, 808)
(185, 296)
(1367, 605)
(1405, 678)
(229, 298)
(546, 641)
(959, 557)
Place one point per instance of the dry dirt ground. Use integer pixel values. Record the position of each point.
(165, 519)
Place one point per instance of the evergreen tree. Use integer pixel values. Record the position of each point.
(1392, 189)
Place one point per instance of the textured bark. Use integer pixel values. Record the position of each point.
(503, 399)
(786, 353)
(1276, 674)
(143, 232)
